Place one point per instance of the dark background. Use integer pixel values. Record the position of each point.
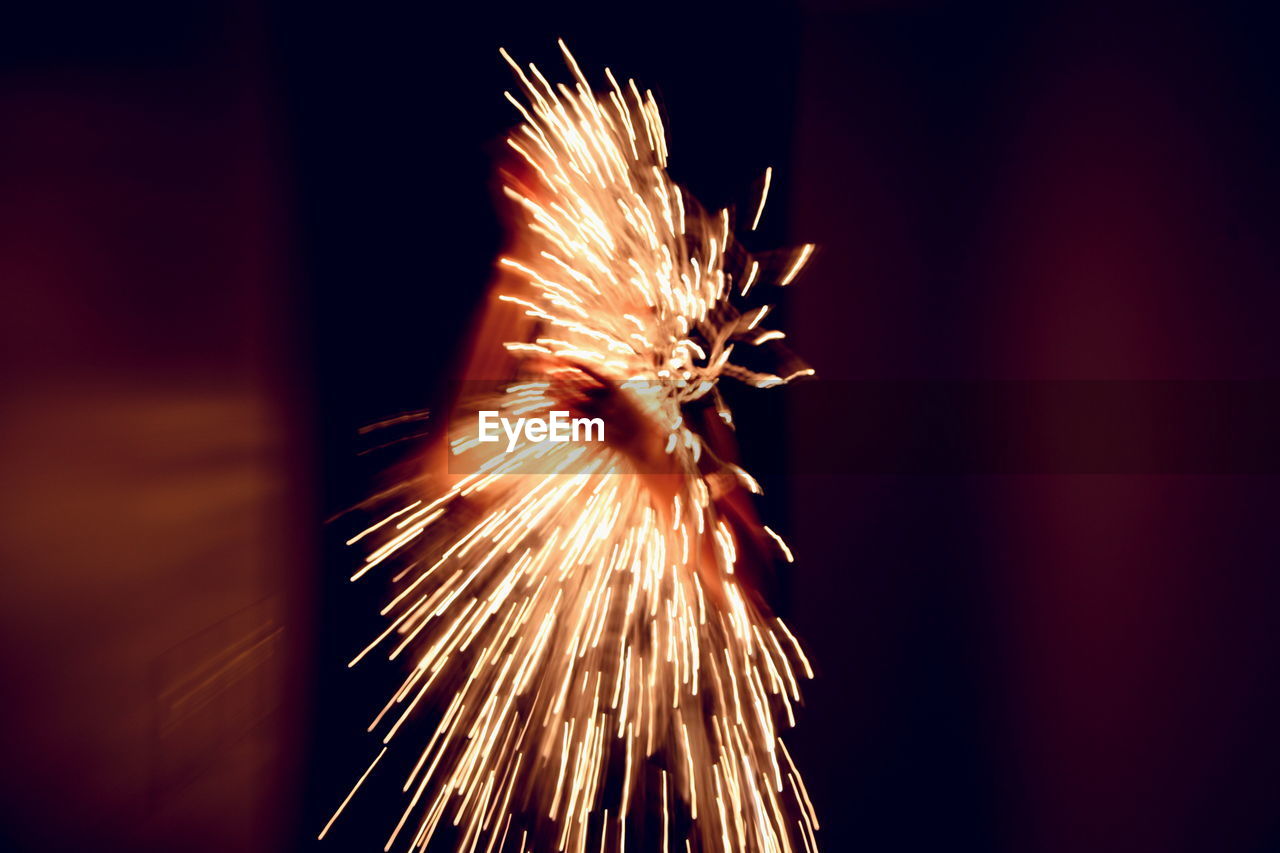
(231, 235)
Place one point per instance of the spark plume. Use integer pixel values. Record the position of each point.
(597, 672)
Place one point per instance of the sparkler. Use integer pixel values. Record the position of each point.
(600, 673)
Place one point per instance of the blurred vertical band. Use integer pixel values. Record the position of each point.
(152, 521)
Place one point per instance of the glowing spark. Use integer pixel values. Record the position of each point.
(764, 194)
(351, 794)
(786, 552)
(751, 277)
(581, 628)
(805, 252)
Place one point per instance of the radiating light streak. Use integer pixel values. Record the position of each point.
(786, 552)
(805, 252)
(351, 794)
(764, 194)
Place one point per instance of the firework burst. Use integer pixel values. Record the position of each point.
(598, 672)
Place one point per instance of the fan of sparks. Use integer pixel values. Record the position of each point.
(593, 670)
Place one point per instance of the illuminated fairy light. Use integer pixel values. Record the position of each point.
(582, 636)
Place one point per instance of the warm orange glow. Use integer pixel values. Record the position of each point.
(584, 625)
